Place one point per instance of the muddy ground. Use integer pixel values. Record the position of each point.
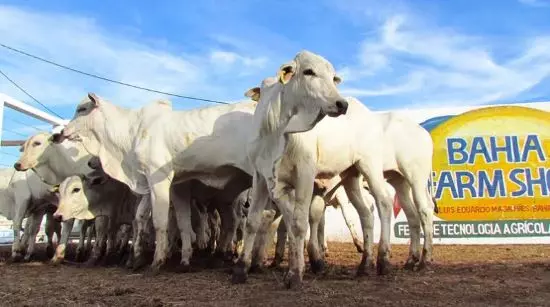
(462, 275)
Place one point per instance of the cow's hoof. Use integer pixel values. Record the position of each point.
(317, 266)
(293, 281)
(151, 272)
(184, 268)
(421, 265)
(276, 263)
(56, 261)
(138, 264)
(50, 251)
(90, 263)
(383, 266)
(257, 269)
(411, 263)
(17, 258)
(216, 263)
(239, 275)
(27, 258)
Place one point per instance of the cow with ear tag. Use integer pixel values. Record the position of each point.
(97, 196)
(359, 144)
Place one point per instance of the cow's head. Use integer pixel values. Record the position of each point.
(34, 152)
(94, 163)
(86, 117)
(75, 194)
(310, 83)
(308, 91)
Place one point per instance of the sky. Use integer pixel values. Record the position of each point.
(390, 54)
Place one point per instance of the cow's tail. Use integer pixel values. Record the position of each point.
(431, 191)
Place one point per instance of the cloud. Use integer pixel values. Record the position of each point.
(435, 65)
(243, 65)
(535, 3)
(96, 48)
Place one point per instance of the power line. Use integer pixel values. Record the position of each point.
(27, 93)
(15, 132)
(9, 154)
(108, 79)
(21, 123)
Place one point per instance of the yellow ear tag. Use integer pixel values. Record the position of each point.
(282, 77)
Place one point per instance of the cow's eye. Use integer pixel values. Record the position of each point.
(309, 72)
(37, 143)
(81, 109)
(76, 190)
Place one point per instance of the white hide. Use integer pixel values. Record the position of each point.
(52, 163)
(138, 147)
(357, 141)
(24, 195)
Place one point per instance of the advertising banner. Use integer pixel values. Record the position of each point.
(491, 178)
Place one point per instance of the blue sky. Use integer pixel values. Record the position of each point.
(391, 54)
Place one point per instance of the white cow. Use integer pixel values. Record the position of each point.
(139, 147)
(23, 194)
(52, 163)
(287, 161)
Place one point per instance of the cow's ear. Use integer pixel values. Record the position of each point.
(96, 180)
(54, 189)
(253, 93)
(286, 72)
(96, 101)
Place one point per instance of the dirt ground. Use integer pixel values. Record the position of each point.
(462, 275)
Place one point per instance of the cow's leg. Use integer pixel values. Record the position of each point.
(201, 213)
(316, 211)
(353, 189)
(21, 205)
(295, 210)
(102, 230)
(260, 198)
(182, 207)
(50, 230)
(34, 227)
(63, 240)
(262, 238)
(280, 245)
(373, 172)
(425, 208)
(345, 208)
(90, 234)
(229, 220)
(214, 222)
(137, 259)
(403, 192)
(81, 248)
(125, 242)
(321, 235)
(110, 250)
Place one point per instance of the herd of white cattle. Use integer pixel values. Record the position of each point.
(217, 182)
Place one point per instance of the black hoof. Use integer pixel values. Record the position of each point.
(138, 264)
(317, 266)
(17, 258)
(50, 251)
(239, 275)
(151, 272)
(421, 265)
(183, 268)
(383, 267)
(293, 282)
